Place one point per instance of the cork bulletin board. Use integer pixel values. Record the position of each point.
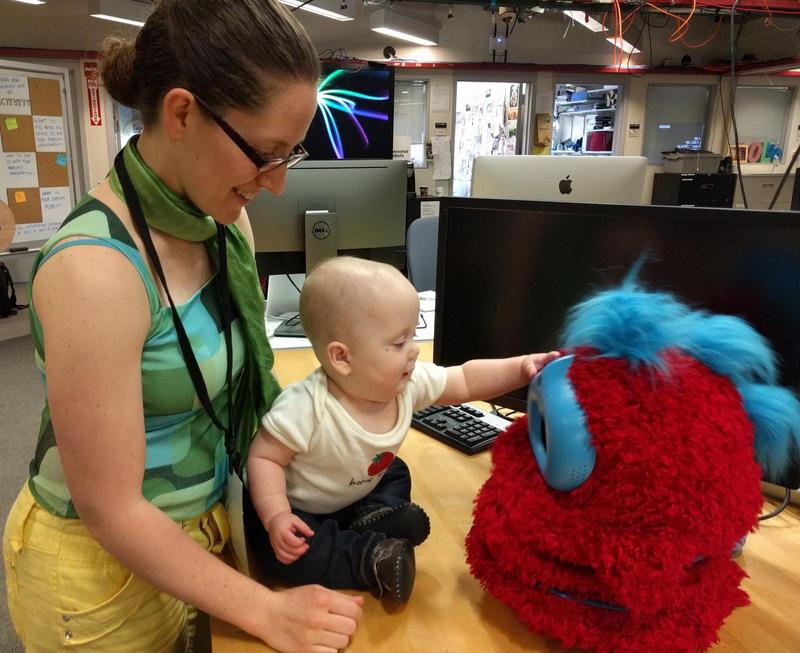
(36, 176)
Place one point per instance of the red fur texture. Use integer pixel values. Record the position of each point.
(675, 485)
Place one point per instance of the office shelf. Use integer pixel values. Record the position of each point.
(579, 121)
(571, 153)
(583, 112)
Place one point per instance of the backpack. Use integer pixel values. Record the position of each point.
(8, 296)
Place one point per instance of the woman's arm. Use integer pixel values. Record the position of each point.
(95, 316)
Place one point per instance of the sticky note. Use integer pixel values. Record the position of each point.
(11, 123)
(19, 197)
(61, 160)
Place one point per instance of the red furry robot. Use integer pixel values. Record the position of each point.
(609, 520)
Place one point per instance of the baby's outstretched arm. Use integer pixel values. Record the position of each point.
(267, 482)
(486, 378)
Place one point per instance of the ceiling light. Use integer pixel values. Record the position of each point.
(405, 27)
(326, 8)
(586, 21)
(623, 45)
(128, 12)
(31, 2)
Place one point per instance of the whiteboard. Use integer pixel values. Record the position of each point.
(37, 178)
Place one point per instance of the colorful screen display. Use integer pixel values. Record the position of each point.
(355, 113)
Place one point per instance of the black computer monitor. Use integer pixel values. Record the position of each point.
(795, 205)
(508, 271)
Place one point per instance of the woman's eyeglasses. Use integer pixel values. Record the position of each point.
(263, 164)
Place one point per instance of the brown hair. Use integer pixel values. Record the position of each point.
(233, 53)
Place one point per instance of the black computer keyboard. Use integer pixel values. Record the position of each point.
(464, 427)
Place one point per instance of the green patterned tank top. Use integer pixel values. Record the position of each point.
(186, 464)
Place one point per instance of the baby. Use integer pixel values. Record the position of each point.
(329, 501)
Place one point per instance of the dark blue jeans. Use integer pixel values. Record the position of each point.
(337, 556)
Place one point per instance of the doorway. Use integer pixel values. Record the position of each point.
(489, 121)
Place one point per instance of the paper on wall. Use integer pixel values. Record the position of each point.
(49, 133)
(401, 148)
(55, 204)
(14, 96)
(18, 170)
(440, 96)
(429, 209)
(441, 157)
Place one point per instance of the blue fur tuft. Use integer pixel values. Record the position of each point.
(627, 323)
(775, 413)
(632, 323)
(729, 346)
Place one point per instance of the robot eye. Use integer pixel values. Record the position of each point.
(557, 429)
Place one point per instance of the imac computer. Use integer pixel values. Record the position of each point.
(593, 179)
(508, 272)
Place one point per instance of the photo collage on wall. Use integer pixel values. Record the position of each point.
(34, 162)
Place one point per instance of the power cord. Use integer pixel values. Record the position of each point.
(496, 410)
(786, 497)
(732, 103)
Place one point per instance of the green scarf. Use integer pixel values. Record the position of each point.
(175, 216)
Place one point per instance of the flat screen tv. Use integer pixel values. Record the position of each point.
(355, 112)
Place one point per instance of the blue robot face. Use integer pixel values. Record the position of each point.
(557, 428)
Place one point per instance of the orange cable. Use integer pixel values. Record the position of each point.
(710, 38)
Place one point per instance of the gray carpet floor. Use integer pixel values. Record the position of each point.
(21, 397)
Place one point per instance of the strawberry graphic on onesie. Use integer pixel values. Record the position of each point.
(380, 463)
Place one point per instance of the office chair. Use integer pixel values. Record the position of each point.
(421, 247)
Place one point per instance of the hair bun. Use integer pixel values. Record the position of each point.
(117, 70)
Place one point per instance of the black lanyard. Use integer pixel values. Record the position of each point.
(132, 200)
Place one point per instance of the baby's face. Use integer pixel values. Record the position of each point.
(383, 353)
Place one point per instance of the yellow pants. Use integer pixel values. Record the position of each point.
(66, 592)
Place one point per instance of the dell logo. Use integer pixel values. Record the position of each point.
(321, 230)
(565, 186)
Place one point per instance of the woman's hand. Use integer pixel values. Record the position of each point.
(287, 533)
(310, 619)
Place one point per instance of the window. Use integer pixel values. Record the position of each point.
(761, 116)
(411, 116)
(675, 117)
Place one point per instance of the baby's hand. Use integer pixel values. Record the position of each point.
(532, 364)
(286, 533)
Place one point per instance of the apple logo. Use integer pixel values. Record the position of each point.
(565, 186)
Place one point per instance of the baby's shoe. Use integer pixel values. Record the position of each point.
(394, 568)
(406, 522)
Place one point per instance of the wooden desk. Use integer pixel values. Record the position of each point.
(449, 612)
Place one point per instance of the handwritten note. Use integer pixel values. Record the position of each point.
(19, 197)
(55, 203)
(49, 133)
(61, 160)
(441, 157)
(14, 95)
(11, 123)
(18, 170)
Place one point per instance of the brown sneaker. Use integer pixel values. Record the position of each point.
(392, 562)
(406, 522)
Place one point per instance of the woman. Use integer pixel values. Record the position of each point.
(153, 363)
